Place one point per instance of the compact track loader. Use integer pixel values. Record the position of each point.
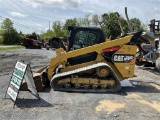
(91, 63)
(56, 42)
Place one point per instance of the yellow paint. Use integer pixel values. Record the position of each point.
(154, 104)
(109, 106)
(134, 96)
(130, 50)
(155, 85)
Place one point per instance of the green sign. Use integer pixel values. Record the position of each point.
(18, 73)
(16, 80)
(21, 72)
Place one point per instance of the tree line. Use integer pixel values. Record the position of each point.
(8, 34)
(108, 22)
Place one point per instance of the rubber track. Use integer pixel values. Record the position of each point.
(56, 77)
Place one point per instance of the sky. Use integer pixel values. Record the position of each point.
(34, 15)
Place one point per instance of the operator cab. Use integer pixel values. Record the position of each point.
(84, 36)
(81, 37)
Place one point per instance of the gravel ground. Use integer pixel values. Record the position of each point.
(139, 98)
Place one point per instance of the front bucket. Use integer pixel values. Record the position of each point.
(38, 79)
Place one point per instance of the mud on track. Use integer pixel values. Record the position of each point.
(139, 99)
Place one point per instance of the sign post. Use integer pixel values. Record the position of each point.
(20, 72)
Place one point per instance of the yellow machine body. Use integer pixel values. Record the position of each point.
(100, 74)
(123, 70)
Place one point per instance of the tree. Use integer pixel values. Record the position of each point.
(56, 31)
(136, 24)
(108, 22)
(34, 33)
(48, 34)
(7, 25)
(20, 33)
(70, 22)
(9, 34)
(95, 20)
(80, 22)
(57, 28)
(86, 21)
(109, 25)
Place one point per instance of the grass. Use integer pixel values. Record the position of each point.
(9, 47)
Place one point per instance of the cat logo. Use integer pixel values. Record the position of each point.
(122, 58)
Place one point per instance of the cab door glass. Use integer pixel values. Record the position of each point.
(85, 38)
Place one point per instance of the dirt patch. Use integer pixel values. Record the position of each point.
(155, 85)
(109, 106)
(134, 96)
(154, 104)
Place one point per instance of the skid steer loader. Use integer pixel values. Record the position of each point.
(32, 42)
(56, 42)
(92, 63)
